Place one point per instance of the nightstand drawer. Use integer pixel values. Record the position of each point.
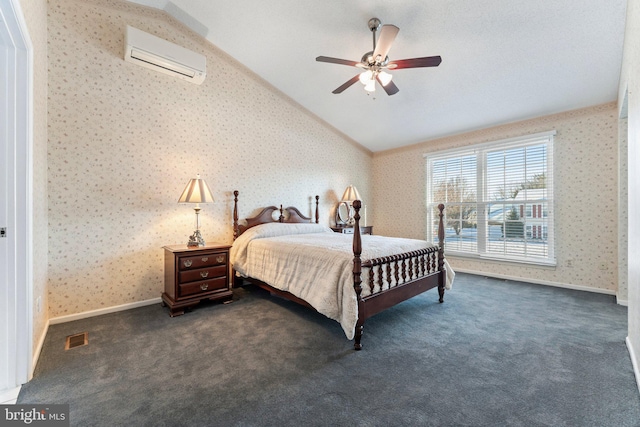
(203, 286)
(199, 261)
(193, 274)
(203, 274)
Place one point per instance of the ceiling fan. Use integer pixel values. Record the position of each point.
(375, 62)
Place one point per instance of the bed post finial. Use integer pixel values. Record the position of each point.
(357, 269)
(235, 214)
(442, 277)
(317, 214)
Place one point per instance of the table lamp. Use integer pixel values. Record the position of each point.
(197, 191)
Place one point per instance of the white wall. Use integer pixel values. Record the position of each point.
(35, 13)
(622, 294)
(630, 85)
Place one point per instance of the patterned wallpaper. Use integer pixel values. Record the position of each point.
(586, 191)
(35, 13)
(124, 141)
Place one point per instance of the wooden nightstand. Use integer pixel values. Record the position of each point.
(364, 229)
(192, 274)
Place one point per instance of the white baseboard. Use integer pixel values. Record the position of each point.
(38, 349)
(101, 311)
(634, 362)
(8, 397)
(622, 302)
(538, 282)
(78, 316)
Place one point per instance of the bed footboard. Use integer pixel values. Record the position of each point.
(396, 270)
(396, 278)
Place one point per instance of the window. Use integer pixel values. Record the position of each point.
(498, 199)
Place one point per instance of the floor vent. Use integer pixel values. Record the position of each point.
(76, 340)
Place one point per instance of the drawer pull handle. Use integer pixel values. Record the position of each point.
(205, 258)
(188, 262)
(204, 286)
(220, 259)
(204, 274)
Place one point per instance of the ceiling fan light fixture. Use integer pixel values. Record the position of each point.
(385, 78)
(370, 86)
(375, 61)
(366, 77)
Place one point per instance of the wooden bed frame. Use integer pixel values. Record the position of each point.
(412, 272)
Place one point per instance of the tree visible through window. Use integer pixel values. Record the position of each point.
(498, 199)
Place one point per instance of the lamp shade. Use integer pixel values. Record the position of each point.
(385, 78)
(196, 191)
(370, 86)
(365, 77)
(351, 194)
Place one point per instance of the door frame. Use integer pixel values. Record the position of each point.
(18, 122)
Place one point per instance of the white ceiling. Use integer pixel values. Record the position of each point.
(502, 60)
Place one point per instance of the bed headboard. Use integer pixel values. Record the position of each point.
(287, 215)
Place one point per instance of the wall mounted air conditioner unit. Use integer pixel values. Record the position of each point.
(157, 54)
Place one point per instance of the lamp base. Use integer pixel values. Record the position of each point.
(195, 239)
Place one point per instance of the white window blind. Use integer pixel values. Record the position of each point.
(498, 199)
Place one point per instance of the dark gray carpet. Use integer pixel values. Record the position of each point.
(495, 353)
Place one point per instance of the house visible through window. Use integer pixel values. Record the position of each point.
(498, 199)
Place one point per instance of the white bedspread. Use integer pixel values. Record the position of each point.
(314, 263)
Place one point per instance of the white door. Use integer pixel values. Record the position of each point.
(5, 370)
(16, 214)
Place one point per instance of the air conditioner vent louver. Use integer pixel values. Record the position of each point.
(160, 55)
(154, 60)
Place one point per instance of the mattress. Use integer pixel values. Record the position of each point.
(315, 264)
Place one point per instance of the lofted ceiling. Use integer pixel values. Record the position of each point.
(502, 60)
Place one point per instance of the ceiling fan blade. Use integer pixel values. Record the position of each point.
(388, 34)
(347, 84)
(427, 61)
(390, 88)
(337, 61)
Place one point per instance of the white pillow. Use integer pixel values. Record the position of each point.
(238, 251)
(273, 229)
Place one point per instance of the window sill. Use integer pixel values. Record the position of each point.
(530, 263)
